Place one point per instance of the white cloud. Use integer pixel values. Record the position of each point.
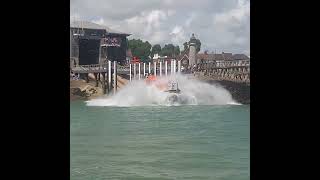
(147, 22)
(178, 36)
(176, 30)
(220, 25)
(99, 21)
(190, 19)
(171, 12)
(168, 2)
(157, 37)
(234, 16)
(150, 25)
(229, 26)
(74, 17)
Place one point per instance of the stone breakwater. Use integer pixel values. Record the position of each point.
(80, 90)
(239, 91)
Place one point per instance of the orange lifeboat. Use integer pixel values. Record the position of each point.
(150, 79)
(161, 85)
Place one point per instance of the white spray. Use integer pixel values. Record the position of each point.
(194, 92)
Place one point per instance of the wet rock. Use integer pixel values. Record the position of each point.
(239, 91)
(77, 94)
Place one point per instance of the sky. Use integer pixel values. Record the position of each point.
(221, 25)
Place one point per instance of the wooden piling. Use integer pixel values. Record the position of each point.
(87, 77)
(96, 79)
(104, 83)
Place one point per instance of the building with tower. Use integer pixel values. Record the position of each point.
(190, 58)
(192, 51)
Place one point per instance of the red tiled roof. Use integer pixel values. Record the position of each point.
(223, 56)
(240, 57)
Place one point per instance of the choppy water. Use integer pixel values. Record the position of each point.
(193, 92)
(160, 142)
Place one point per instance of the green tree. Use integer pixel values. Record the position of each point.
(176, 51)
(168, 50)
(156, 49)
(140, 49)
(198, 45)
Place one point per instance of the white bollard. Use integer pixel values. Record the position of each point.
(160, 69)
(179, 67)
(171, 67)
(149, 67)
(134, 71)
(174, 67)
(144, 69)
(115, 77)
(130, 72)
(109, 76)
(166, 67)
(139, 72)
(155, 68)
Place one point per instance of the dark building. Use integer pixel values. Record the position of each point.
(91, 43)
